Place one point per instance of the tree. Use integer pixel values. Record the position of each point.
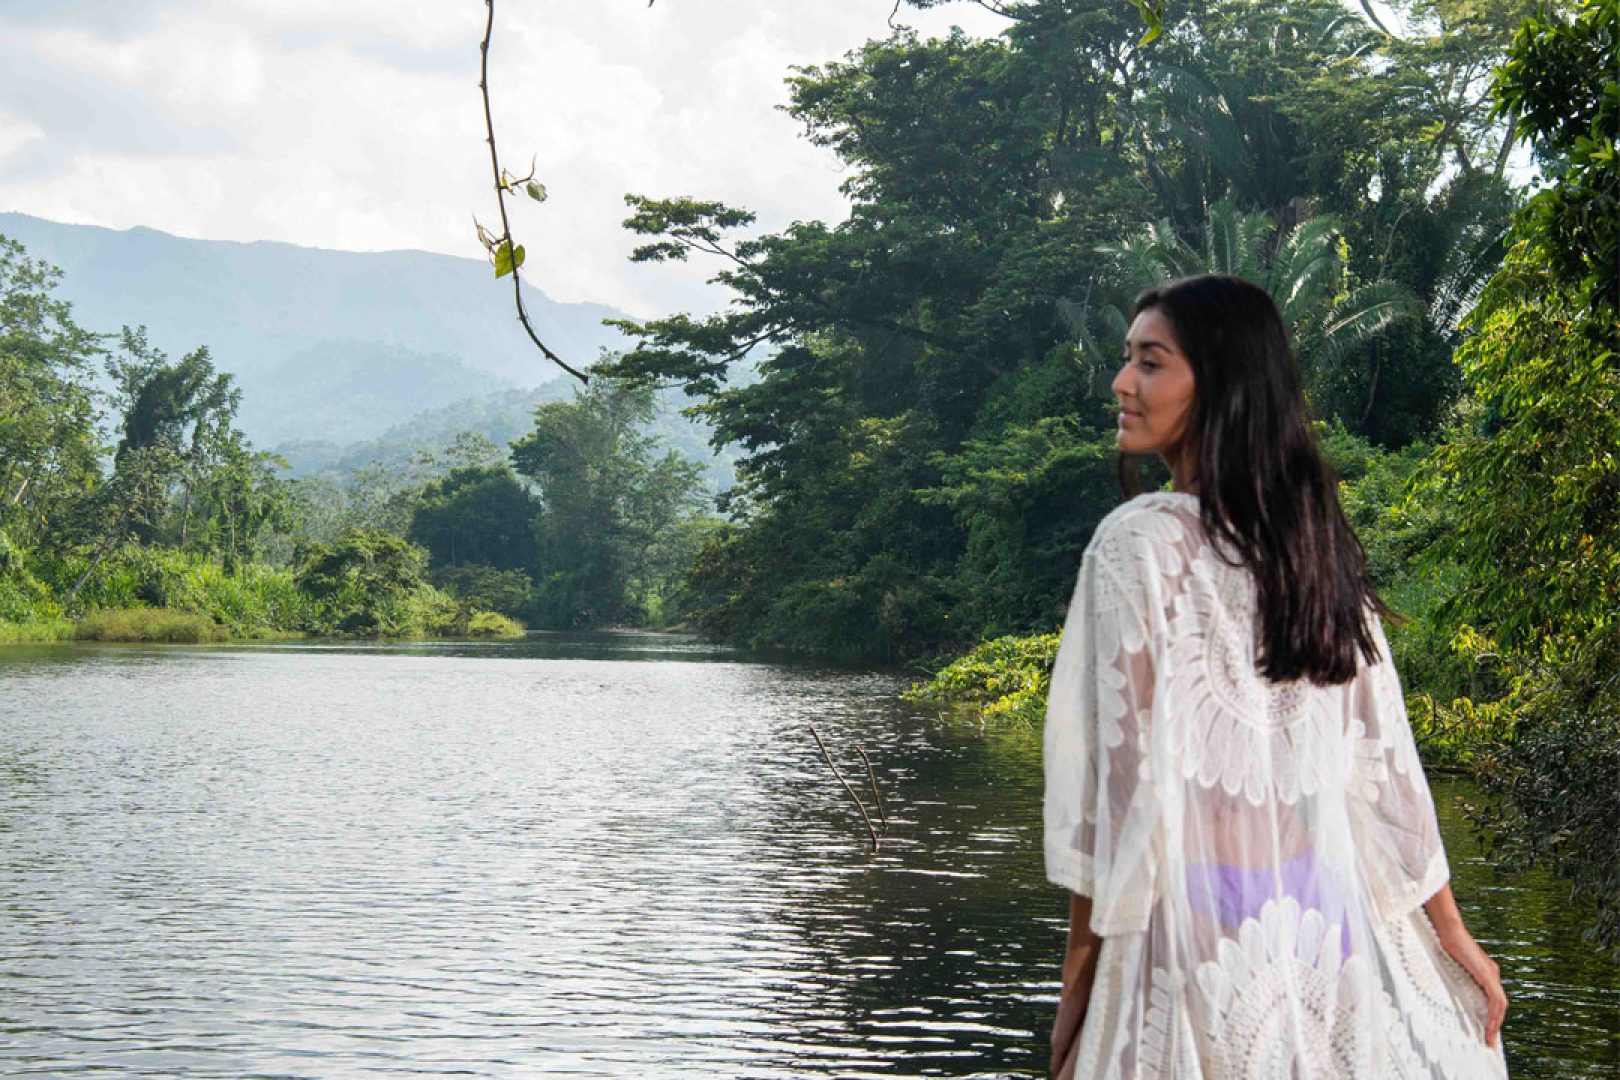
(1305, 268)
(1559, 84)
(182, 414)
(922, 441)
(48, 444)
(476, 514)
(608, 506)
(1534, 476)
(371, 583)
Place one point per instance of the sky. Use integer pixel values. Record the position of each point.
(357, 124)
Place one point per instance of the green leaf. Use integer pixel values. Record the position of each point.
(1153, 15)
(517, 257)
(503, 259)
(537, 191)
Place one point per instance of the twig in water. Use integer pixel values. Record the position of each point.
(876, 797)
(852, 793)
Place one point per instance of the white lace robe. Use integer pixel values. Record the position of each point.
(1257, 853)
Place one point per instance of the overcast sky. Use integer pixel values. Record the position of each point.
(357, 124)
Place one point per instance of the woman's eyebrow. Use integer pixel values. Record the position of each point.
(1150, 343)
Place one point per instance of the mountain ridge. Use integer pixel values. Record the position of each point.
(264, 308)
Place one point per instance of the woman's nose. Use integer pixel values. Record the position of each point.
(1122, 381)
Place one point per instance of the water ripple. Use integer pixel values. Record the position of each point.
(579, 856)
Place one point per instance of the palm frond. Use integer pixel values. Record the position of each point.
(1257, 230)
(1366, 312)
(1100, 335)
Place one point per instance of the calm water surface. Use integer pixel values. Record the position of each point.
(587, 856)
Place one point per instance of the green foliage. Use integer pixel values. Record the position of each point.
(612, 537)
(489, 624)
(1331, 316)
(1556, 800)
(925, 446)
(23, 597)
(371, 584)
(1532, 478)
(508, 258)
(149, 624)
(486, 587)
(476, 514)
(48, 443)
(1004, 681)
(36, 630)
(251, 599)
(1536, 483)
(1561, 84)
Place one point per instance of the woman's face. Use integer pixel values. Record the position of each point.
(1154, 388)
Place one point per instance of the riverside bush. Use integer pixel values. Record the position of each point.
(36, 630)
(492, 624)
(149, 624)
(251, 600)
(1005, 680)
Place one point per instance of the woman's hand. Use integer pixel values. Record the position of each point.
(1461, 947)
(1079, 969)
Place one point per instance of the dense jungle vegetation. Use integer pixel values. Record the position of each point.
(930, 442)
(131, 508)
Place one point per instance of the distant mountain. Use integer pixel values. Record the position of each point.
(343, 392)
(345, 358)
(326, 344)
(502, 418)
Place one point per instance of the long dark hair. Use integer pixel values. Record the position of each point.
(1264, 487)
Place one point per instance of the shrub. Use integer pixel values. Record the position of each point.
(149, 624)
(1553, 774)
(1004, 680)
(486, 587)
(36, 630)
(492, 624)
(251, 600)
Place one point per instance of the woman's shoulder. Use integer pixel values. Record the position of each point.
(1156, 526)
(1150, 513)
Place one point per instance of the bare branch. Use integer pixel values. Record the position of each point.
(852, 794)
(876, 796)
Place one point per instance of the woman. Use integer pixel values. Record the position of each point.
(1233, 794)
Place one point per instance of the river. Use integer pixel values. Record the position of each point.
(597, 855)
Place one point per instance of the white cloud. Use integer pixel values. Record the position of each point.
(358, 125)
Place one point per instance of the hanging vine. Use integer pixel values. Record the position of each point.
(503, 251)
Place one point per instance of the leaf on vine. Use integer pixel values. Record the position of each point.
(504, 262)
(1153, 15)
(536, 190)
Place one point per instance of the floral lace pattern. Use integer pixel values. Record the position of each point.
(1257, 853)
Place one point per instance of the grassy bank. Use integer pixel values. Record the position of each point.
(34, 630)
(171, 626)
(149, 624)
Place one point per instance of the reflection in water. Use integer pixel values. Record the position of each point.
(577, 855)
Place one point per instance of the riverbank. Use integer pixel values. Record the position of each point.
(177, 627)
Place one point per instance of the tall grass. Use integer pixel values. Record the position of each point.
(252, 600)
(35, 630)
(149, 624)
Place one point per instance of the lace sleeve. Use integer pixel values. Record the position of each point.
(1100, 809)
(1397, 835)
